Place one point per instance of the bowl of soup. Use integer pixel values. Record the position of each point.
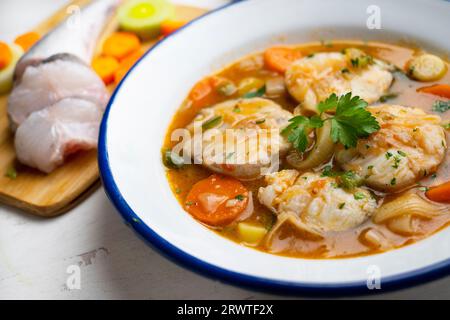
(279, 145)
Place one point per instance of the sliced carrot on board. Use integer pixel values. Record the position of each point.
(27, 40)
(126, 64)
(170, 26)
(5, 55)
(441, 90)
(217, 200)
(106, 68)
(440, 193)
(121, 44)
(279, 58)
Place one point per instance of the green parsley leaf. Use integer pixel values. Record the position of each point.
(239, 197)
(296, 130)
(350, 122)
(328, 103)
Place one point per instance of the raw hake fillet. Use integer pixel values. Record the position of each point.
(48, 136)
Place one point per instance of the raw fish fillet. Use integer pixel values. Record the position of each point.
(57, 101)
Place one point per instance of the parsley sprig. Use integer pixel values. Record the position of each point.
(350, 122)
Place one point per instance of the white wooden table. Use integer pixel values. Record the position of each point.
(35, 254)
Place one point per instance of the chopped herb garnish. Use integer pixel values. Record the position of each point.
(177, 190)
(190, 203)
(341, 205)
(349, 180)
(359, 196)
(350, 122)
(310, 55)
(172, 160)
(260, 121)
(253, 94)
(239, 197)
(345, 70)
(388, 155)
(433, 176)
(211, 123)
(362, 61)
(441, 106)
(397, 161)
(229, 155)
(237, 109)
(346, 180)
(388, 96)
(327, 171)
(393, 181)
(370, 167)
(446, 126)
(11, 173)
(400, 152)
(423, 188)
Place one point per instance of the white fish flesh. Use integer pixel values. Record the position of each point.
(57, 101)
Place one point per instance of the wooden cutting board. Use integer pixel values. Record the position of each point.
(49, 195)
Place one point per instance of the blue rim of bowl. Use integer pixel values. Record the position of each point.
(199, 266)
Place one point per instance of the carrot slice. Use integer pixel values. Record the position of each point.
(106, 68)
(170, 26)
(440, 193)
(442, 90)
(203, 93)
(217, 200)
(27, 40)
(126, 64)
(279, 59)
(5, 55)
(121, 44)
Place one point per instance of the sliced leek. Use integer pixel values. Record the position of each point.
(427, 67)
(408, 204)
(320, 153)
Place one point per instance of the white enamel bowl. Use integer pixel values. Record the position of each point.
(140, 110)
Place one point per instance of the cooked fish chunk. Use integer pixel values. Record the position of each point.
(252, 144)
(48, 136)
(312, 79)
(315, 201)
(410, 145)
